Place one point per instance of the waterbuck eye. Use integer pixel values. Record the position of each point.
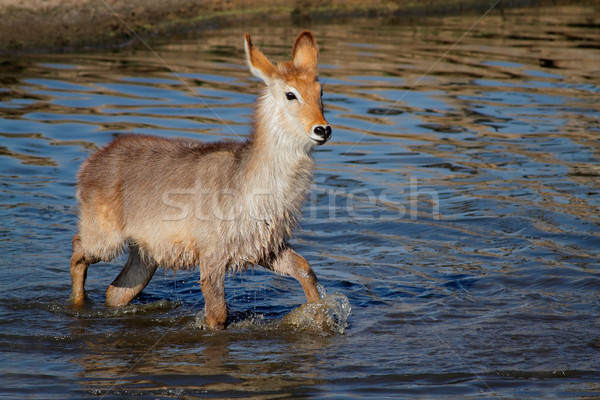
(290, 96)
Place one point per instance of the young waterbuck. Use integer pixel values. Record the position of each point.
(220, 206)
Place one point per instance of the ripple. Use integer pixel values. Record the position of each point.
(454, 218)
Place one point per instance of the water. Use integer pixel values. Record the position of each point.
(456, 210)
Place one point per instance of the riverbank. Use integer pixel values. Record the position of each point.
(69, 25)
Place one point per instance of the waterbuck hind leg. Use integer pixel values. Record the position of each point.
(133, 278)
(288, 262)
(79, 267)
(213, 289)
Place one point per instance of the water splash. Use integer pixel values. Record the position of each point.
(98, 310)
(328, 316)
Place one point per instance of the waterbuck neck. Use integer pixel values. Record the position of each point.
(280, 160)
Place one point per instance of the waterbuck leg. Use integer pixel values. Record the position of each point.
(288, 262)
(79, 267)
(213, 289)
(133, 278)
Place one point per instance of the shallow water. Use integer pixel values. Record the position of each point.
(456, 209)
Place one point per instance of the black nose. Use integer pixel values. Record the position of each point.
(323, 131)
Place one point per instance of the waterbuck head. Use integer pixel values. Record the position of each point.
(292, 100)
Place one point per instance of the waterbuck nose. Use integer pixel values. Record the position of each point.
(323, 131)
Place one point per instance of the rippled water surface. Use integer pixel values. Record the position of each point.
(456, 209)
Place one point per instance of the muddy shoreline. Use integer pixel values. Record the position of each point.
(73, 25)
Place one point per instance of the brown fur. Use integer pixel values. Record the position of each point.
(219, 206)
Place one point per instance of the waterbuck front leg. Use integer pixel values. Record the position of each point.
(288, 262)
(133, 278)
(213, 289)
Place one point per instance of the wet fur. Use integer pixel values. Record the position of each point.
(207, 193)
(220, 206)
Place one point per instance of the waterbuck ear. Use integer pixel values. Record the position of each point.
(305, 52)
(259, 65)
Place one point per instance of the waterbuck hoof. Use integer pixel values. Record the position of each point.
(215, 324)
(218, 326)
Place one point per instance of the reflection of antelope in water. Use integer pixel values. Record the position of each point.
(225, 205)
